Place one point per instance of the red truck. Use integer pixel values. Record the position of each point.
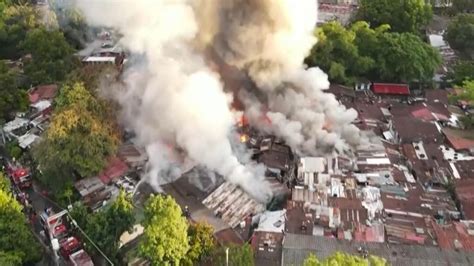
(20, 176)
(69, 246)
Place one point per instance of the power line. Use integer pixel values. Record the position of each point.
(78, 227)
(90, 240)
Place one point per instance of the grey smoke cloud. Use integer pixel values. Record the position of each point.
(172, 95)
(269, 40)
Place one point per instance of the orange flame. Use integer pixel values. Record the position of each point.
(244, 138)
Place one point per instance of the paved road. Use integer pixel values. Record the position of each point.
(39, 203)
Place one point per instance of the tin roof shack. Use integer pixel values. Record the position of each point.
(267, 238)
(135, 157)
(42, 93)
(15, 128)
(93, 192)
(278, 158)
(296, 249)
(409, 129)
(426, 162)
(464, 190)
(310, 219)
(456, 236)
(465, 168)
(391, 90)
(437, 96)
(115, 168)
(232, 204)
(190, 190)
(342, 93)
(330, 11)
(459, 144)
(308, 170)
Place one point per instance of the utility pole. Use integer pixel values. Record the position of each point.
(227, 256)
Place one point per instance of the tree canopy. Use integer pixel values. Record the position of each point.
(340, 258)
(51, 56)
(201, 242)
(238, 255)
(376, 54)
(165, 240)
(81, 136)
(106, 227)
(463, 5)
(467, 91)
(12, 98)
(15, 21)
(402, 16)
(460, 34)
(461, 71)
(17, 244)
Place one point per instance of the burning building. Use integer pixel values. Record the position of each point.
(225, 59)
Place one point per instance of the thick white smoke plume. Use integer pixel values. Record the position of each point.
(172, 96)
(269, 40)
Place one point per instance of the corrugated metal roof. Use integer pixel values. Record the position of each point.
(232, 204)
(296, 248)
(388, 88)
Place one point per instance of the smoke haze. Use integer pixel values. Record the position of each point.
(173, 95)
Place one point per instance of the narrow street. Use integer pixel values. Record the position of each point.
(39, 203)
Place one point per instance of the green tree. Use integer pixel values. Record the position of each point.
(80, 138)
(16, 20)
(404, 57)
(80, 214)
(402, 15)
(375, 54)
(9, 258)
(106, 227)
(467, 91)
(201, 242)
(17, 243)
(460, 34)
(165, 238)
(237, 255)
(340, 258)
(462, 71)
(12, 98)
(311, 260)
(4, 182)
(463, 6)
(338, 55)
(51, 56)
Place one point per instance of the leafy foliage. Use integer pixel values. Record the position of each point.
(15, 21)
(17, 244)
(105, 228)
(12, 98)
(462, 71)
(463, 6)
(94, 77)
(337, 53)
(201, 242)
(402, 15)
(13, 149)
(467, 91)
(237, 255)
(165, 240)
(52, 57)
(460, 34)
(80, 137)
(362, 52)
(340, 258)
